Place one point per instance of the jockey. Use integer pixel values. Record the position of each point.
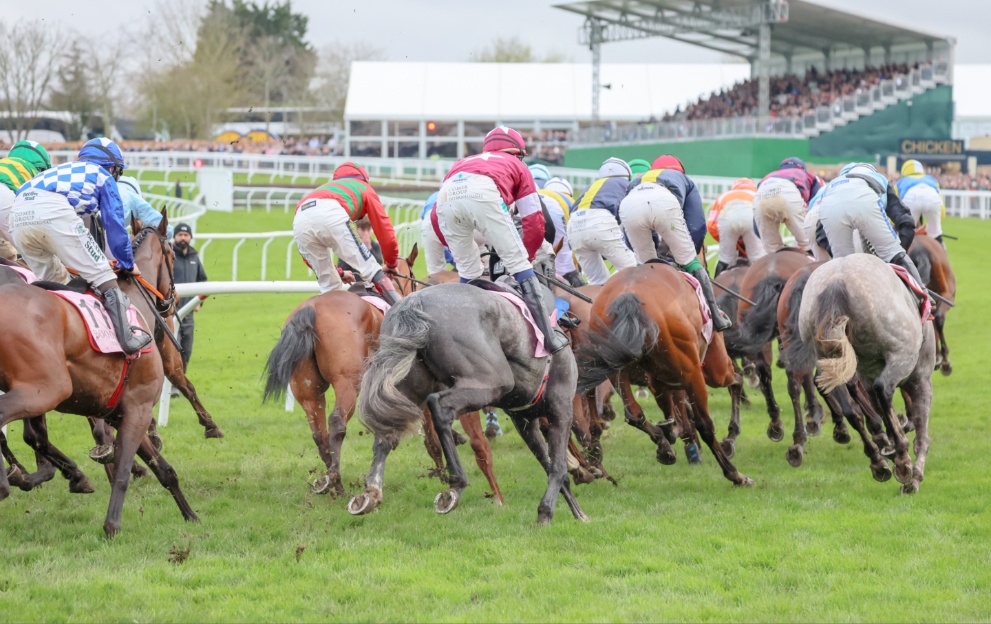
(666, 201)
(476, 195)
(557, 194)
(323, 223)
(639, 165)
(782, 197)
(593, 231)
(47, 227)
(861, 199)
(730, 220)
(540, 175)
(25, 160)
(437, 255)
(920, 193)
(136, 206)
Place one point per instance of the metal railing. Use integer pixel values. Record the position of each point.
(968, 204)
(178, 210)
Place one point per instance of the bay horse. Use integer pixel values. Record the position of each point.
(757, 326)
(856, 316)
(646, 323)
(47, 363)
(934, 267)
(325, 343)
(456, 348)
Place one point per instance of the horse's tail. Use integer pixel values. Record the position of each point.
(297, 342)
(759, 322)
(920, 256)
(613, 347)
(838, 361)
(383, 408)
(798, 354)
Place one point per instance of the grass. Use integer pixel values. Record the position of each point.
(820, 543)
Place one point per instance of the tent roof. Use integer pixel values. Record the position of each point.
(506, 92)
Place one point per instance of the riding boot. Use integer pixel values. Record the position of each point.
(575, 278)
(387, 288)
(905, 261)
(720, 322)
(720, 267)
(132, 339)
(553, 341)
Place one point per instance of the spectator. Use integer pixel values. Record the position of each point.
(188, 269)
(178, 189)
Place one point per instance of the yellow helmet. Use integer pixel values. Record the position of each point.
(912, 167)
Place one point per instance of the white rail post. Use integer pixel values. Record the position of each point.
(234, 259)
(265, 256)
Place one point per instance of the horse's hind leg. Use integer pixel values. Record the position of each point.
(28, 400)
(134, 422)
(530, 432)
(36, 435)
(883, 390)
(636, 418)
(762, 363)
(840, 400)
(796, 452)
(310, 389)
(167, 477)
(813, 410)
(736, 399)
(472, 424)
(371, 498)
(432, 443)
(698, 398)
(939, 321)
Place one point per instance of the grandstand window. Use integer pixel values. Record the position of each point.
(366, 128)
(442, 150)
(404, 149)
(404, 128)
(444, 128)
(371, 149)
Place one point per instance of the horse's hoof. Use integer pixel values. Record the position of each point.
(363, 503)
(321, 485)
(666, 456)
(903, 473)
(492, 431)
(812, 427)
(795, 455)
(881, 471)
(138, 471)
(111, 529)
(775, 432)
(102, 454)
(213, 433)
(156, 441)
(459, 438)
(750, 376)
(910, 488)
(729, 447)
(908, 426)
(744, 481)
(888, 451)
(81, 486)
(667, 428)
(946, 368)
(15, 476)
(447, 501)
(841, 436)
(692, 454)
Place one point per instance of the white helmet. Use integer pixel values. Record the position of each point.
(615, 168)
(851, 166)
(559, 185)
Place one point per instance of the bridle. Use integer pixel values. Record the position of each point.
(163, 302)
(411, 278)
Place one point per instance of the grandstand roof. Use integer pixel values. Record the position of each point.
(508, 92)
(809, 29)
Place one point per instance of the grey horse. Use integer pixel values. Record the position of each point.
(857, 316)
(457, 348)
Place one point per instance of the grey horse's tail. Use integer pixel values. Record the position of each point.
(838, 361)
(799, 355)
(759, 322)
(297, 342)
(614, 347)
(383, 408)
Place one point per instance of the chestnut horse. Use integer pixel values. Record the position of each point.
(646, 323)
(324, 344)
(934, 268)
(47, 363)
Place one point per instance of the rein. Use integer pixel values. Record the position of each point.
(163, 304)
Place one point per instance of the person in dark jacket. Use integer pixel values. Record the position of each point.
(188, 268)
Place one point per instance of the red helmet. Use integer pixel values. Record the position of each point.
(667, 161)
(504, 139)
(745, 184)
(350, 170)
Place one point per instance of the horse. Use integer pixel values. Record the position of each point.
(757, 327)
(484, 357)
(325, 343)
(47, 363)
(857, 316)
(647, 324)
(934, 267)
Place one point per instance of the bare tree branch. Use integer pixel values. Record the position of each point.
(27, 65)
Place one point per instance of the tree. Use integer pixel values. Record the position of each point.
(72, 92)
(29, 54)
(334, 72)
(514, 50)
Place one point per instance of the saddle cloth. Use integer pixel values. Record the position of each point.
(377, 302)
(703, 307)
(509, 295)
(925, 307)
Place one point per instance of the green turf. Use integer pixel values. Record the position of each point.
(822, 542)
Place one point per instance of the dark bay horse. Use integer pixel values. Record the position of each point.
(646, 324)
(325, 343)
(47, 363)
(456, 348)
(934, 267)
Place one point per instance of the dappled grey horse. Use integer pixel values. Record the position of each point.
(857, 316)
(457, 348)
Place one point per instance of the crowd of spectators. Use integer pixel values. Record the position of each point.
(548, 145)
(791, 95)
(293, 146)
(964, 182)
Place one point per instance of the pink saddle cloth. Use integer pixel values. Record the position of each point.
(925, 307)
(539, 350)
(703, 306)
(101, 331)
(377, 302)
(27, 274)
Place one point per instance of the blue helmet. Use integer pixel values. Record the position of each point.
(849, 166)
(540, 174)
(792, 163)
(104, 152)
